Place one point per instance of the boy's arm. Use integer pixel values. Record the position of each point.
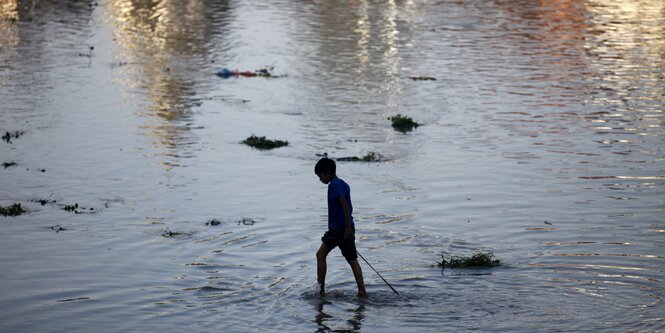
(348, 231)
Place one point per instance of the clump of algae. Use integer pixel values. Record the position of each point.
(13, 210)
(480, 259)
(403, 123)
(263, 143)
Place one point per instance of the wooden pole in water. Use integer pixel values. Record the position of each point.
(377, 273)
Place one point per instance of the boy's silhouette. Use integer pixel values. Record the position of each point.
(341, 231)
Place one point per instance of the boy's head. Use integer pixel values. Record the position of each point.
(325, 168)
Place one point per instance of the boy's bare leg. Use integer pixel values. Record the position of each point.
(358, 274)
(321, 267)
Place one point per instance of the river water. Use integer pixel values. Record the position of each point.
(542, 139)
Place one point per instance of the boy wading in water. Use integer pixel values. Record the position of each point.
(341, 231)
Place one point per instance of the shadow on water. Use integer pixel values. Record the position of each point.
(329, 323)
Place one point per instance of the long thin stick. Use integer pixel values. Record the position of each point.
(377, 273)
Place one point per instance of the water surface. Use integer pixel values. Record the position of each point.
(542, 140)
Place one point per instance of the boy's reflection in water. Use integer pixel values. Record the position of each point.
(354, 323)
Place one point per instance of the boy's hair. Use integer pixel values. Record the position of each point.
(325, 165)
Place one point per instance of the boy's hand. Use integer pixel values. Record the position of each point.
(348, 233)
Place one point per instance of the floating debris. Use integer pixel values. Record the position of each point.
(12, 135)
(226, 73)
(71, 208)
(43, 202)
(214, 222)
(9, 164)
(57, 228)
(89, 54)
(403, 123)
(480, 259)
(422, 78)
(176, 234)
(13, 210)
(119, 64)
(369, 157)
(78, 209)
(246, 221)
(264, 144)
(73, 299)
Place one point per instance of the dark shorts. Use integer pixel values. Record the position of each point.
(335, 237)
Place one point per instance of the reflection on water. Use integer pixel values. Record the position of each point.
(326, 322)
(8, 18)
(163, 49)
(166, 41)
(624, 47)
(542, 140)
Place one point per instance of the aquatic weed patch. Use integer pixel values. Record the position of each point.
(57, 228)
(481, 259)
(71, 208)
(176, 234)
(214, 222)
(369, 157)
(13, 210)
(76, 209)
(242, 221)
(422, 78)
(246, 221)
(264, 144)
(403, 123)
(8, 136)
(43, 202)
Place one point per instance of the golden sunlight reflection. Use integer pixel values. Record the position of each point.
(383, 36)
(599, 267)
(159, 43)
(363, 30)
(9, 9)
(8, 18)
(625, 41)
(360, 48)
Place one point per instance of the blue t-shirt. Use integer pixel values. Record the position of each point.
(336, 189)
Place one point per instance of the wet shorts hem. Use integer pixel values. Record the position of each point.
(335, 237)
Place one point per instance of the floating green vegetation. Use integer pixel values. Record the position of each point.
(43, 202)
(480, 259)
(77, 209)
(214, 222)
(11, 135)
(71, 208)
(263, 143)
(265, 72)
(9, 164)
(57, 228)
(369, 157)
(403, 123)
(176, 234)
(13, 210)
(246, 221)
(422, 78)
